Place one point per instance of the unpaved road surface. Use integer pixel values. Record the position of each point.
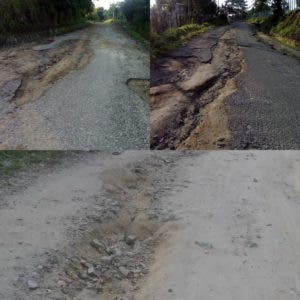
(225, 89)
(74, 92)
(154, 225)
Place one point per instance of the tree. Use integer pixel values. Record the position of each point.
(236, 7)
(100, 13)
(277, 7)
(203, 10)
(261, 6)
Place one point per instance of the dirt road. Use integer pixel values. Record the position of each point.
(83, 90)
(145, 225)
(225, 89)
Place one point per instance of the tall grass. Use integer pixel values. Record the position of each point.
(286, 29)
(175, 37)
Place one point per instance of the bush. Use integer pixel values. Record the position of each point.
(26, 16)
(174, 37)
(136, 13)
(286, 29)
(288, 26)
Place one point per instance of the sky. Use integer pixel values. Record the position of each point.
(104, 3)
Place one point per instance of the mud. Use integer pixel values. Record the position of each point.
(189, 111)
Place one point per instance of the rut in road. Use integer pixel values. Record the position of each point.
(188, 89)
(154, 225)
(85, 229)
(73, 92)
(225, 89)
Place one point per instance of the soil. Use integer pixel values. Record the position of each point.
(84, 229)
(79, 91)
(153, 225)
(37, 67)
(188, 108)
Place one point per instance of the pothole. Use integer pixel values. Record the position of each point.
(140, 86)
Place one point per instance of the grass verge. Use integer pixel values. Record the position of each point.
(175, 37)
(286, 29)
(34, 36)
(14, 161)
(141, 37)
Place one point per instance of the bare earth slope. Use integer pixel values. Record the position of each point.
(155, 225)
(44, 106)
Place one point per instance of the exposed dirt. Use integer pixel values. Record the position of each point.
(85, 231)
(37, 67)
(30, 69)
(188, 109)
(98, 105)
(36, 85)
(140, 86)
(237, 230)
(154, 225)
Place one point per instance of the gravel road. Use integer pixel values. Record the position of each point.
(91, 108)
(237, 230)
(265, 112)
(154, 225)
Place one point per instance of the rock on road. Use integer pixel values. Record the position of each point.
(225, 225)
(236, 234)
(265, 112)
(91, 108)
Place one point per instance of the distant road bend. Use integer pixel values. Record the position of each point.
(83, 90)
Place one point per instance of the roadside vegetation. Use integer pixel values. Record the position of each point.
(25, 17)
(272, 20)
(132, 15)
(174, 23)
(174, 37)
(13, 161)
(28, 19)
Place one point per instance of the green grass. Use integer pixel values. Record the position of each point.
(172, 38)
(14, 161)
(286, 29)
(257, 21)
(141, 35)
(35, 36)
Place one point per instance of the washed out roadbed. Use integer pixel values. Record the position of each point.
(85, 229)
(152, 225)
(226, 89)
(188, 90)
(71, 91)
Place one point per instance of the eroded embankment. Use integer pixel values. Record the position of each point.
(189, 111)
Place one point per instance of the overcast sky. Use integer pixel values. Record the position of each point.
(104, 3)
